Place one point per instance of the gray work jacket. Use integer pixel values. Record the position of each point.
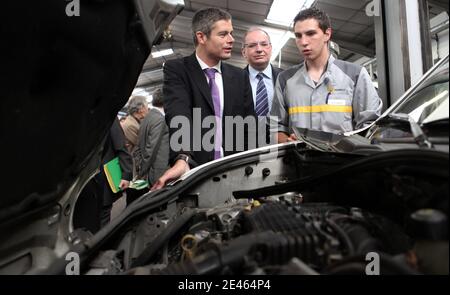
(343, 100)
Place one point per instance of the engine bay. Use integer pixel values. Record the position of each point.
(331, 222)
(281, 237)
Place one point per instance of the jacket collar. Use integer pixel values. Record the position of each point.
(326, 73)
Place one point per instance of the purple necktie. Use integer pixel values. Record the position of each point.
(211, 74)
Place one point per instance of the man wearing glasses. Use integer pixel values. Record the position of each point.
(257, 50)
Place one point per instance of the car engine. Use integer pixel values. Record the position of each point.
(284, 237)
(339, 220)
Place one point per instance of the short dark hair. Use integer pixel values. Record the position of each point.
(317, 14)
(157, 98)
(204, 20)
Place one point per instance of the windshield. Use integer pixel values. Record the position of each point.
(430, 102)
(426, 107)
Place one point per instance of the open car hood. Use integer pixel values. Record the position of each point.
(64, 80)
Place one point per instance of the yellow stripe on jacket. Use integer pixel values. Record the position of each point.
(320, 109)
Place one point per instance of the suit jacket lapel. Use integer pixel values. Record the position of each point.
(199, 79)
(228, 94)
(275, 72)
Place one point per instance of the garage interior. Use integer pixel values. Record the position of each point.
(307, 206)
(361, 31)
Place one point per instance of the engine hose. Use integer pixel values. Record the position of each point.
(361, 237)
(271, 247)
(343, 235)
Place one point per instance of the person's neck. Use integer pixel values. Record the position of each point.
(203, 55)
(260, 68)
(319, 63)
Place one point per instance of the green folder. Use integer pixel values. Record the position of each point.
(113, 174)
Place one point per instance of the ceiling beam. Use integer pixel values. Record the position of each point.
(237, 23)
(439, 4)
(184, 19)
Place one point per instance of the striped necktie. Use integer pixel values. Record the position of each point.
(262, 101)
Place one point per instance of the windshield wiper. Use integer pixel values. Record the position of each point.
(419, 136)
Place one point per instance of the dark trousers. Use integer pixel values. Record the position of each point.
(87, 208)
(93, 207)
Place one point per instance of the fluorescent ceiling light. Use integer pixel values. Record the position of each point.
(283, 12)
(161, 53)
(140, 91)
(137, 91)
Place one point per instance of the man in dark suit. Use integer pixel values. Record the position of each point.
(257, 50)
(200, 87)
(152, 151)
(93, 207)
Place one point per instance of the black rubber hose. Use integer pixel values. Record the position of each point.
(344, 237)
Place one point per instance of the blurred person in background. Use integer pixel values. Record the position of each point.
(137, 110)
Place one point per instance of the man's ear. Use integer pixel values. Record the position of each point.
(201, 37)
(244, 53)
(328, 33)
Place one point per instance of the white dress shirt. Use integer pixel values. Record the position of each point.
(268, 82)
(218, 79)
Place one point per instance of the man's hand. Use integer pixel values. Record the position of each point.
(124, 184)
(283, 137)
(293, 137)
(173, 173)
